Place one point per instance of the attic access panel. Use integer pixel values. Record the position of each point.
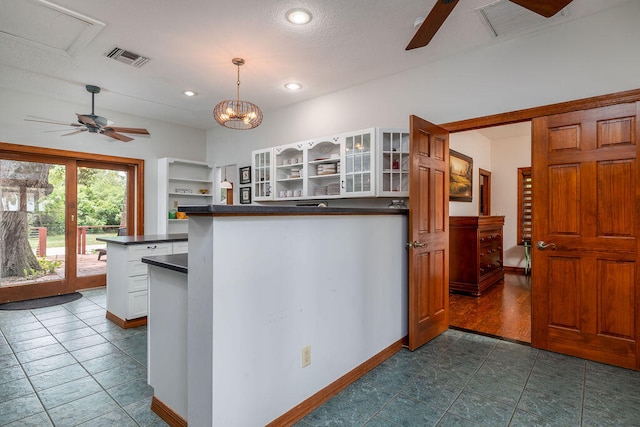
(504, 17)
(48, 26)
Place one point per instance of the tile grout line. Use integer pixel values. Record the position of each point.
(28, 378)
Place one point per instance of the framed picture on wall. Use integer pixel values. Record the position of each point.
(245, 195)
(460, 177)
(245, 175)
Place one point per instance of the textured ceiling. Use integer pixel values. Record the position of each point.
(56, 48)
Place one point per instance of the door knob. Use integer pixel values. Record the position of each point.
(541, 245)
(416, 244)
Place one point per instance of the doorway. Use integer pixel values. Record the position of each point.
(53, 205)
(504, 309)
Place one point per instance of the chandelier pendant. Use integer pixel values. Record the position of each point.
(237, 114)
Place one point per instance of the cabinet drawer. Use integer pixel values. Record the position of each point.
(180, 247)
(137, 283)
(137, 268)
(138, 251)
(137, 305)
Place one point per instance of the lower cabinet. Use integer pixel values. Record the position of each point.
(475, 253)
(128, 277)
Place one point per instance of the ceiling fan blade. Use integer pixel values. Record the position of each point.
(115, 135)
(432, 23)
(53, 122)
(75, 132)
(545, 8)
(138, 131)
(87, 120)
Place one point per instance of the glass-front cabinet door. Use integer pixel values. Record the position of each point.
(262, 176)
(393, 166)
(358, 167)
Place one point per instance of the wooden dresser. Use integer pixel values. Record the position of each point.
(475, 248)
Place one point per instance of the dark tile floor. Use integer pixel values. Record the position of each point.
(462, 379)
(68, 365)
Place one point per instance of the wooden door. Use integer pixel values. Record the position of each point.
(585, 283)
(428, 232)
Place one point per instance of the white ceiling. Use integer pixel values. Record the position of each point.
(56, 48)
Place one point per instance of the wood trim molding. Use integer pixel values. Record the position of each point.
(297, 413)
(167, 414)
(546, 110)
(514, 270)
(126, 324)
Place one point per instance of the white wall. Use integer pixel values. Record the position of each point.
(507, 155)
(587, 57)
(166, 140)
(477, 147)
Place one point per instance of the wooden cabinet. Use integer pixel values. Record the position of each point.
(476, 256)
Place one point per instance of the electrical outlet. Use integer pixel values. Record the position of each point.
(306, 356)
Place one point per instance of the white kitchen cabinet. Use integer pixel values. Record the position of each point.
(366, 163)
(393, 163)
(262, 171)
(359, 164)
(290, 171)
(324, 160)
(181, 183)
(127, 276)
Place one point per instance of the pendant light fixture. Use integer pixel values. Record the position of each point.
(224, 184)
(238, 114)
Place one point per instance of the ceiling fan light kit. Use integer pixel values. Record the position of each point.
(238, 114)
(96, 124)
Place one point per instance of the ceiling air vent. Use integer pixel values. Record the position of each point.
(126, 57)
(506, 18)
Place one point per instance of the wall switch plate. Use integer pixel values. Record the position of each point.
(306, 356)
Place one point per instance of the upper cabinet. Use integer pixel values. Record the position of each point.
(358, 157)
(261, 167)
(290, 161)
(181, 183)
(366, 163)
(393, 163)
(324, 158)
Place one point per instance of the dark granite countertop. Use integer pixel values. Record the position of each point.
(148, 238)
(258, 210)
(175, 262)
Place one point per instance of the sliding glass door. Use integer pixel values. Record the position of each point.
(33, 227)
(52, 209)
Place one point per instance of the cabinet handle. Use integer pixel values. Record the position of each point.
(152, 247)
(342, 184)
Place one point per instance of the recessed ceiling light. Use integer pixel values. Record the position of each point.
(299, 16)
(189, 93)
(293, 86)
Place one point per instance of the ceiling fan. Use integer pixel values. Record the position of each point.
(95, 124)
(443, 8)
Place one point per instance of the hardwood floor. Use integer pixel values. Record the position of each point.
(503, 310)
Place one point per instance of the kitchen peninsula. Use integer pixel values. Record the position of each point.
(285, 306)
